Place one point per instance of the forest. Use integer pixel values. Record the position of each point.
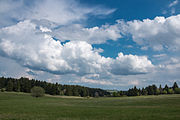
(25, 85)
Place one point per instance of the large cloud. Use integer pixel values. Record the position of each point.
(31, 46)
(130, 64)
(159, 33)
(56, 11)
(94, 35)
(63, 17)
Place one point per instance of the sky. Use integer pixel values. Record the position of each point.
(108, 44)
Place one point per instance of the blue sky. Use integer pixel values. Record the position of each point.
(110, 44)
(131, 10)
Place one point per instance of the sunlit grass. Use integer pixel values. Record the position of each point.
(21, 106)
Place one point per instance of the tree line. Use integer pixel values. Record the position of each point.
(149, 90)
(25, 85)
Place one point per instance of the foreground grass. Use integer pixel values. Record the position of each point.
(19, 106)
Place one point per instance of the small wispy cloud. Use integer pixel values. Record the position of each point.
(129, 46)
(160, 55)
(99, 50)
(172, 6)
(173, 11)
(175, 2)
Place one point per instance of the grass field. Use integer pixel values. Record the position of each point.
(20, 106)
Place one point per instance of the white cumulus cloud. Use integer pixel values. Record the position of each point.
(26, 43)
(94, 35)
(130, 64)
(159, 33)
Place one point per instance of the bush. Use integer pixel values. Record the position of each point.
(164, 92)
(3, 89)
(177, 90)
(157, 91)
(37, 91)
(170, 91)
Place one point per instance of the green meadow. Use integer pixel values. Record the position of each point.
(21, 106)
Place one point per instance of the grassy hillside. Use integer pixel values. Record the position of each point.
(20, 106)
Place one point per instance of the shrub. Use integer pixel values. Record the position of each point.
(170, 91)
(164, 92)
(37, 91)
(177, 90)
(157, 91)
(3, 89)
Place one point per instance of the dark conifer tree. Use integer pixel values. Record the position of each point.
(16, 86)
(2, 82)
(166, 87)
(155, 92)
(144, 91)
(150, 90)
(160, 89)
(175, 86)
(9, 86)
(75, 91)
